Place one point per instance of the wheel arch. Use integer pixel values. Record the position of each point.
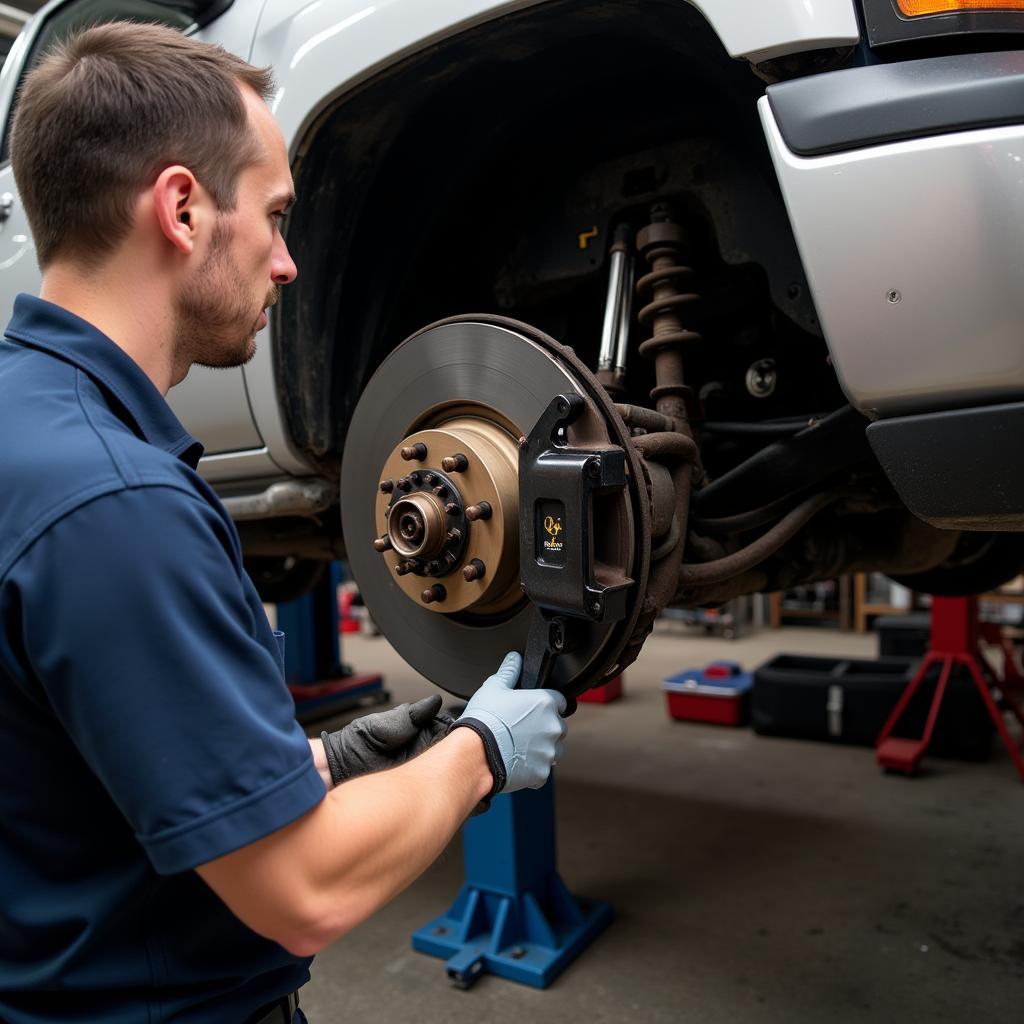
(388, 172)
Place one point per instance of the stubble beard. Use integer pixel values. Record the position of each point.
(215, 323)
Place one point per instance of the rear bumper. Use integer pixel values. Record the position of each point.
(907, 202)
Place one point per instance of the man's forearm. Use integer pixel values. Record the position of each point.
(316, 879)
(407, 816)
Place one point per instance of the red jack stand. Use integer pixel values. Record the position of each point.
(955, 632)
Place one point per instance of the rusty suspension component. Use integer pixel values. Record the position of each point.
(665, 440)
(724, 568)
(661, 243)
(883, 541)
(669, 440)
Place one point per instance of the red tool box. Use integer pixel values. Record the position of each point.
(718, 693)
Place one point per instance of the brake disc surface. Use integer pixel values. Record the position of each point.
(453, 373)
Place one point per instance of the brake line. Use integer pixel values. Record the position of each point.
(767, 544)
(740, 522)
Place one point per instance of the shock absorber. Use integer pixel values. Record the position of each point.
(669, 289)
(611, 364)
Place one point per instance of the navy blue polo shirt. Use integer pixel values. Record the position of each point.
(145, 726)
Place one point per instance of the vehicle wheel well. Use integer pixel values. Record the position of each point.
(414, 188)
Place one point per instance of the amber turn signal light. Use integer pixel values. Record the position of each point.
(916, 8)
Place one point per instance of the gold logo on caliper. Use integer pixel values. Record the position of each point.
(553, 527)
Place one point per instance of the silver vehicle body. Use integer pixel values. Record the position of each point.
(320, 49)
(913, 252)
(921, 311)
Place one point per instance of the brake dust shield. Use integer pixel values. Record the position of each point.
(430, 501)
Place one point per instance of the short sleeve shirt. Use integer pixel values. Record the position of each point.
(145, 725)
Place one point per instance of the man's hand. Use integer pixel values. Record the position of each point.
(521, 730)
(385, 739)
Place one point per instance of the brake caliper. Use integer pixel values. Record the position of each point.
(561, 575)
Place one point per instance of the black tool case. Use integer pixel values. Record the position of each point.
(848, 700)
(904, 635)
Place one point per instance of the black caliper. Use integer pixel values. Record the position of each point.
(556, 538)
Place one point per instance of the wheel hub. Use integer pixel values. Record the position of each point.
(448, 513)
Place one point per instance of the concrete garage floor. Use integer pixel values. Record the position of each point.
(754, 879)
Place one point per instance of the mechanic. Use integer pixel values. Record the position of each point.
(173, 847)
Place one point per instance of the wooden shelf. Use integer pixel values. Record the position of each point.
(865, 608)
(840, 614)
(1007, 597)
(854, 610)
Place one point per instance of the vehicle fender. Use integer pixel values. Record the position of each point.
(319, 48)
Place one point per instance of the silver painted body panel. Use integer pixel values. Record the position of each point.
(212, 404)
(914, 255)
(320, 48)
(758, 30)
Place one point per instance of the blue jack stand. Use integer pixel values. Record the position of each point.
(319, 683)
(514, 917)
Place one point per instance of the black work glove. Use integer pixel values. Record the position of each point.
(385, 739)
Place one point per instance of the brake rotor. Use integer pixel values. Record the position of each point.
(430, 499)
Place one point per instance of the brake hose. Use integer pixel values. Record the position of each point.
(721, 569)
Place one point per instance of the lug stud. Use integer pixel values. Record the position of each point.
(479, 511)
(434, 593)
(454, 534)
(387, 486)
(382, 543)
(405, 484)
(455, 463)
(451, 508)
(474, 571)
(414, 452)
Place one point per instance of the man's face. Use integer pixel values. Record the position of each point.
(223, 304)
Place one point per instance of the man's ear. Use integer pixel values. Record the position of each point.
(175, 199)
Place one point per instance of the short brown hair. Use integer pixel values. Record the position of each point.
(105, 111)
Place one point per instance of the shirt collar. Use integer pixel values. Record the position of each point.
(138, 401)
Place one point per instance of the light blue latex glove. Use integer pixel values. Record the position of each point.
(522, 730)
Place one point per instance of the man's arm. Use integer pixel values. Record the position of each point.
(314, 880)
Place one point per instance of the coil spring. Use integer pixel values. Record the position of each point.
(668, 287)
